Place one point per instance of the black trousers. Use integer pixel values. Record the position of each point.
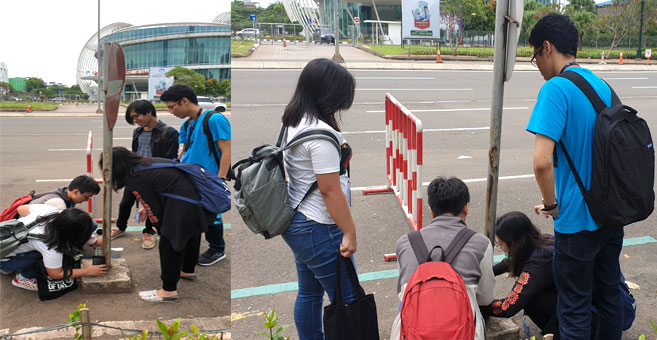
(125, 208)
(172, 262)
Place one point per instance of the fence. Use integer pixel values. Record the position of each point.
(403, 159)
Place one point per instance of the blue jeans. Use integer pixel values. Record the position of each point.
(22, 263)
(315, 247)
(587, 273)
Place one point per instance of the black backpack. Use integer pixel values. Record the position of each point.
(230, 175)
(622, 173)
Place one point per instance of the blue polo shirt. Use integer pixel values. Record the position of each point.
(198, 151)
(563, 111)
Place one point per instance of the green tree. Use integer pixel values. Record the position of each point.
(476, 16)
(224, 86)
(185, 76)
(275, 13)
(583, 15)
(532, 13)
(34, 83)
(212, 88)
(5, 88)
(620, 21)
(240, 15)
(75, 89)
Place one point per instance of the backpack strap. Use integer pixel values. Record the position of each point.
(183, 127)
(461, 238)
(419, 247)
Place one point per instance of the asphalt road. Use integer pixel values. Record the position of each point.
(454, 107)
(43, 153)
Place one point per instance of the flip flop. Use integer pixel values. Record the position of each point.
(151, 296)
(189, 278)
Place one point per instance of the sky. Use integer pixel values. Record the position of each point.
(44, 38)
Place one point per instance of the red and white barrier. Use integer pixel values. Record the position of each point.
(403, 159)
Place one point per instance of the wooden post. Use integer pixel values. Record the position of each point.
(85, 319)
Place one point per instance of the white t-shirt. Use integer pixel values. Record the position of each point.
(302, 162)
(51, 258)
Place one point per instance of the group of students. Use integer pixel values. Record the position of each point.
(178, 222)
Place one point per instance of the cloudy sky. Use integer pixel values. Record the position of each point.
(43, 38)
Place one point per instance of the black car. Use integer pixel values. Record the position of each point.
(324, 35)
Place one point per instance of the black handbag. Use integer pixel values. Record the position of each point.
(356, 321)
(49, 288)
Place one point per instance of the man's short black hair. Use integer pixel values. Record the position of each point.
(557, 29)
(448, 195)
(141, 107)
(178, 92)
(84, 184)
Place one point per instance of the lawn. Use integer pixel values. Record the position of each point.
(240, 46)
(23, 105)
(483, 52)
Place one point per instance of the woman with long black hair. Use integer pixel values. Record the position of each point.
(322, 226)
(60, 237)
(179, 223)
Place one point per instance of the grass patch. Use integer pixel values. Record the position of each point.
(240, 46)
(23, 105)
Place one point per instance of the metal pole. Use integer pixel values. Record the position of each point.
(99, 110)
(336, 18)
(107, 175)
(496, 117)
(85, 319)
(638, 51)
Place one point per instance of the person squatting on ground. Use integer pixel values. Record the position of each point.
(181, 102)
(530, 261)
(64, 234)
(152, 138)
(586, 260)
(179, 223)
(322, 226)
(449, 203)
(79, 190)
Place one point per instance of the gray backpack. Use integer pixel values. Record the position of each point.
(13, 233)
(261, 194)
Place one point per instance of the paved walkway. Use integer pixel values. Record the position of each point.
(299, 52)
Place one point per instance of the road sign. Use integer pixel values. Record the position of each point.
(310, 21)
(253, 17)
(356, 19)
(113, 81)
(648, 53)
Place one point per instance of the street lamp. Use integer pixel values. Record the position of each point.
(336, 29)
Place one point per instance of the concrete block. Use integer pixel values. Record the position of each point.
(117, 279)
(501, 329)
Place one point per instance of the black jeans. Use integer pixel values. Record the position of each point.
(215, 235)
(586, 273)
(172, 262)
(125, 208)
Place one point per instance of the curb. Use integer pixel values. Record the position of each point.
(247, 53)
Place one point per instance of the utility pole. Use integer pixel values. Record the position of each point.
(98, 52)
(336, 29)
(638, 51)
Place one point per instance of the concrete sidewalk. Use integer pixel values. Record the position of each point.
(72, 110)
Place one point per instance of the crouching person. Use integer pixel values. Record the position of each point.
(178, 222)
(59, 237)
(446, 248)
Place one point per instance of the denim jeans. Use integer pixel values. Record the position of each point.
(315, 247)
(22, 262)
(586, 273)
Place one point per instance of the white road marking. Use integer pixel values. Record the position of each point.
(414, 89)
(454, 110)
(471, 180)
(644, 87)
(425, 130)
(398, 78)
(626, 78)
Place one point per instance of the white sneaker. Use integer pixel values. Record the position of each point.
(22, 282)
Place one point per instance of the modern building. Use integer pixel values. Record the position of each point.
(202, 47)
(4, 75)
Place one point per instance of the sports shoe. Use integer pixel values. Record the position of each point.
(22, 282)
(148, 242)
(211, 257)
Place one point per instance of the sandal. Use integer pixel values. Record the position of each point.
(116, 233)
(191, 277)
(151, 296)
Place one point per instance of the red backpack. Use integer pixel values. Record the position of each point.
(436, 303)
(11, 212)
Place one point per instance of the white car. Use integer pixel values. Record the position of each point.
(208, 104)
(248, 33)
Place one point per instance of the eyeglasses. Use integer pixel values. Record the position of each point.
(170, 107)
(533, 60)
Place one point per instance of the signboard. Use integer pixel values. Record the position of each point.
(421, 19)
(253, 17)
(648, 53)
(310, 21)
(158, 82)
(356, 19)
(113, 81)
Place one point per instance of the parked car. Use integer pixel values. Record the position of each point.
(208, 104)
(324, 35)
(248, 33)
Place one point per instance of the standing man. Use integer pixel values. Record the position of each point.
(181, 102)
(586, 255)
(151, 139)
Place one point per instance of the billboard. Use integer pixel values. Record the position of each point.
(158, 82)
(421, 19)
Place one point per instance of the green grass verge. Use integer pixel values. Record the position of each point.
(240, 46)
(484, 52)
(23, 105)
